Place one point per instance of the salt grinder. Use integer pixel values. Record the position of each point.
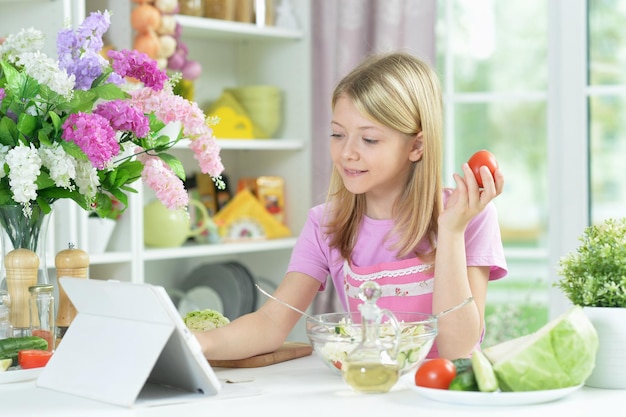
(21, 273)
(71, 262)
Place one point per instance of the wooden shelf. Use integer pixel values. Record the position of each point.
(195, 251)
(253, 144)
(214, 28)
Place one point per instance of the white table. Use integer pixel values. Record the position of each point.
(301, 387)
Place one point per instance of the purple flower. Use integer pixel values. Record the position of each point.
(2, 94)
(94, 136)
(125, 117)
(138, 65)
(78, 50)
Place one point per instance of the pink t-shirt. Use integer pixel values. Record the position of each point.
(313, 256)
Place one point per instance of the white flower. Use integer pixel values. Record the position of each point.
(86, 179)
(62, 167)
(24, 167)
(26, 40)
(47, 72)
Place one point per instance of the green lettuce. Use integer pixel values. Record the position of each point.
(560, 354)
(207, 319)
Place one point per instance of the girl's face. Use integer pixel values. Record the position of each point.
(372, 159)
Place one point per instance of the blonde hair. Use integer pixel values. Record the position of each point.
(401, 92)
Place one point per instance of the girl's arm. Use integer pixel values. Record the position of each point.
(264, 330)
(460, 331)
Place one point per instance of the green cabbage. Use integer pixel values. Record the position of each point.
(560, 354)
(207, 319)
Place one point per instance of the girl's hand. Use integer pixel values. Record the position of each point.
(468, 199)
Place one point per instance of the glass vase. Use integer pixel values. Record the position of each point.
(23, 261)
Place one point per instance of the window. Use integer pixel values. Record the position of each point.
(606, 91)
(515, 82)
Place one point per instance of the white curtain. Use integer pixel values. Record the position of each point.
(344, 32)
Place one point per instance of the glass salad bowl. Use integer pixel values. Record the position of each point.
(335, 335)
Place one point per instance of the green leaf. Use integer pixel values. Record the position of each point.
(109, 91)
(173, 162)
(8, 132)
(27, 124)
(74, 150)
(56, 121)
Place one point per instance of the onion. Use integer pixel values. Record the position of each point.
(191, 70)
(145, 18)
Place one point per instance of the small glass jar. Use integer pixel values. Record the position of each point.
(42, 317)
(6, 328)
(192, 7)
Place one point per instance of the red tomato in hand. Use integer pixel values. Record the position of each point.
(479, 159)
(33, 358)
(435, 373)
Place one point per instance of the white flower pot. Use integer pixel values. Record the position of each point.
(99, 233)
(610, 369)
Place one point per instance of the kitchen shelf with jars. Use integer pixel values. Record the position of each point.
(234, 54)
(231, 54)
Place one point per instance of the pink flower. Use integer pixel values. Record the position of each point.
(123, 116)
(94, 136)
(168, 108)
(138, 65)
(169, 189)
(206, 152)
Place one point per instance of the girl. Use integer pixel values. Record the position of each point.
(387, 218)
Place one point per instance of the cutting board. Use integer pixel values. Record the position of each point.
(288, 351)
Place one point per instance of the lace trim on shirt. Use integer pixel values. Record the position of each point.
(396, 290)
(415, 269)
(389, 290)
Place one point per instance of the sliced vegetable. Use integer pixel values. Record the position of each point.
(33, 358)
(5, 364)
(483, 371)
(560, 354)
(207, 319)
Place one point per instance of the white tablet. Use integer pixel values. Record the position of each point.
(129, 346)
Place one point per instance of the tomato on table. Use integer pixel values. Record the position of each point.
(44, 334)
(479, 159)
(435, 373)
(33, 358)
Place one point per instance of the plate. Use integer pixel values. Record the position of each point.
(200, 298)
(230, 280)
(487, 398)
(19, 375)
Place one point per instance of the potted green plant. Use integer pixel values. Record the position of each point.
(594, 277)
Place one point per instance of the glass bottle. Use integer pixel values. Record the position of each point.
(6, 328)
(372, 367)
(42, 318)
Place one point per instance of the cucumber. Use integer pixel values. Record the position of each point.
(401, 360)
(10, 347)
(483, 370)
(461, 364)
(464, 381)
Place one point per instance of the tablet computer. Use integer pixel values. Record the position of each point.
(129, 346)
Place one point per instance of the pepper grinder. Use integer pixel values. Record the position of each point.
(21, 268)
(71, 262)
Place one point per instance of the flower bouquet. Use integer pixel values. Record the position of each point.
(85, 127)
